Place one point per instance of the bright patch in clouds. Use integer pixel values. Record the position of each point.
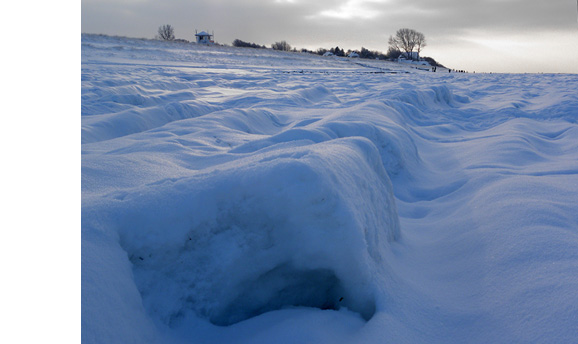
(500, 43)
(353, 9)
(506, 53)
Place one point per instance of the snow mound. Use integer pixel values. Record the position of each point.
(305, 226)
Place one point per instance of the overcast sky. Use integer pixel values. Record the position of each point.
(482, 35)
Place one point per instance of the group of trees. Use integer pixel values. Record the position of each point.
(243, 44)
(363, 53)
(369, 54)
(335, 51)
(283, 46)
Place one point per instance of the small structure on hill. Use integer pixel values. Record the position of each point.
(413, 56)
(204, 38)
(413, 59)
(353, 54)
(329, 53)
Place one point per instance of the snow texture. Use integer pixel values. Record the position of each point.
(256, 196)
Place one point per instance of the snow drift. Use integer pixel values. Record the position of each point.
(262, 234)
(242, 195)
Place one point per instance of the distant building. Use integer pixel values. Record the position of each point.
(204, 38)
(329, 53)
(353, 54)
(413, 56)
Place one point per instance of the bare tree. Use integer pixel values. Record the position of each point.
(284, 46)
(420, 42)
(406, 40)
(166, 32)
(402, 41)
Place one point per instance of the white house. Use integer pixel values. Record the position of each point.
(415, 60)
(353, 54)
(413, 56)
(204, 38)
(328, 53)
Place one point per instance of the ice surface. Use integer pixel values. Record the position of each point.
(246, 195)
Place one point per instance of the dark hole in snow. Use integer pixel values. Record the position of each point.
(279, 288)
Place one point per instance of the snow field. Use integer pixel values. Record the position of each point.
(241, 195)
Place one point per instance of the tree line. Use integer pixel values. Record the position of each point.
(405, 41)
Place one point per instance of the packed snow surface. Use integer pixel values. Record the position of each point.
(236, 195)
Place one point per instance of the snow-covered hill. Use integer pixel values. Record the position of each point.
(237, 195)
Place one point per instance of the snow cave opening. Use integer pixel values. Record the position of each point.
(284, 287)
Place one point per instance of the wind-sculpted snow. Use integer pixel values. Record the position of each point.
(244, 195)
(261, 234)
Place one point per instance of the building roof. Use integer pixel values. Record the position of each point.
(202, 33)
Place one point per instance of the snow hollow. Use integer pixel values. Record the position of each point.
(237, 195)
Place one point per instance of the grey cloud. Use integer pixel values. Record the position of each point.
(264, 21)
(490, 14)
